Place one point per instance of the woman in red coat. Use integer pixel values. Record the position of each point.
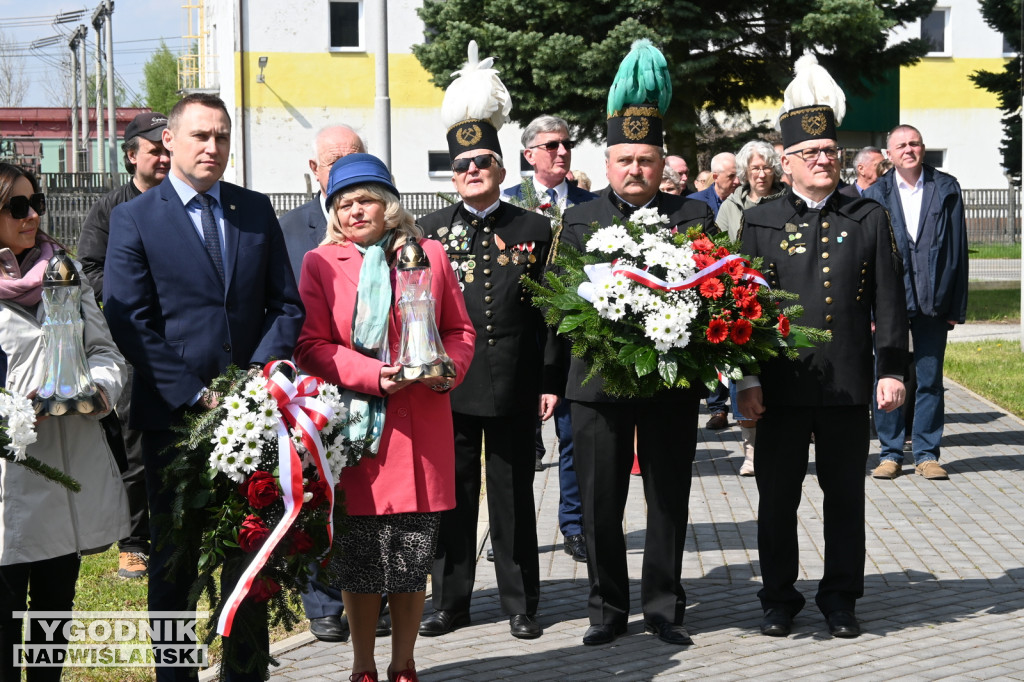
(393, 499)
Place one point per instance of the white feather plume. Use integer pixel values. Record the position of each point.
(477, 93)
(811, 85)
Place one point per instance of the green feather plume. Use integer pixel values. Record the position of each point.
(642, 78)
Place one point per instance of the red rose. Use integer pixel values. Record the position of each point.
(319, 490)
(751, 309)
(299, 542)
(741, 331)
(784, 326)
(702, 245)
(261, 489)
(712, 288)
(718, 330)
(252, 534)
(262, 589)
(703, 260)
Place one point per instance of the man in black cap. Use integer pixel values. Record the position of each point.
(147, 161)
(838, 253)
(492, 245)
(603, 425)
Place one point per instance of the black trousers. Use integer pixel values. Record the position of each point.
(47, 585)
(508, 450)
(169, 592)
(666, 442)
(781, 452)
(126, 444)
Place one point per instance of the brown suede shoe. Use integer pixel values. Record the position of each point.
(887, 469)
(932, 471)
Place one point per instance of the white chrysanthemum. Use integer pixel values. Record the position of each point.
(648, 217)
(256, 389)
(611, 239)
(247, 462)
(18, 419)
(236, 405)
(667, 327)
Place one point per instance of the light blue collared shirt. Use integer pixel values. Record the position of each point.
(195, 210)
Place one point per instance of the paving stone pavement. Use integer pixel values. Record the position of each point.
(943, 599)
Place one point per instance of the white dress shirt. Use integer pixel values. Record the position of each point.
(910, 200)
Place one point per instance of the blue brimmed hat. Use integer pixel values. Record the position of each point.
(355, 169)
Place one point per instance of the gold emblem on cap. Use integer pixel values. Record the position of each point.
(468, 135)
(635, 127)
(814, 123)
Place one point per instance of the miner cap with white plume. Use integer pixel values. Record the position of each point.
(639, 97)
(475, 106)
(812, 106)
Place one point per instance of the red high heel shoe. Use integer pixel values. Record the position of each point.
(365, 676)
(407, 675)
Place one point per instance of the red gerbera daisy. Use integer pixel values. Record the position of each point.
(783, 325)
(712, 288)
(721, 252)
(702, 245)
(735, 269)
(718, 330)
(741, 331)
(741, 294)
(751, 309)
(703, 260)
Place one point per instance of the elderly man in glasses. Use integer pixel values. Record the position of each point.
(492, 245)
(839, 255)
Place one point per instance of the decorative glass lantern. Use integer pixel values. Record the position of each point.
(421, 352)
(67, 386)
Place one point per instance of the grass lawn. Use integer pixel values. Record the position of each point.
(99, 589)
(993, 305)
(994, 250)
(989, 368)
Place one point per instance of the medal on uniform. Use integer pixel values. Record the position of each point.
(503, 259)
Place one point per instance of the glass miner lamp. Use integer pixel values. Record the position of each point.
(67, 386)
(421, 353)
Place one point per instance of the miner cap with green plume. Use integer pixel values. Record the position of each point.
(639, 97)
(475, 106)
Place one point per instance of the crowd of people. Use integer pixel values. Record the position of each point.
(196, 274)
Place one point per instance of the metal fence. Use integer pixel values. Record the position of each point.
(993, 215)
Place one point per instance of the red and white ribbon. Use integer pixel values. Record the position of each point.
(300, 409)
(643, 277)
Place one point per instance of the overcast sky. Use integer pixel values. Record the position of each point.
(139, 26)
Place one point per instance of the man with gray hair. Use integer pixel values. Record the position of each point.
(723, 181)
(304, 227)
(548, 148)
(866, 164)
(678, 164)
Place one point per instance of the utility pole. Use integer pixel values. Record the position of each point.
(82, 33)
(111, 113)
(73, 44)
(97, 23)
(382, 102)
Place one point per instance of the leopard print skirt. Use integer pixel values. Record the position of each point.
(387, 553)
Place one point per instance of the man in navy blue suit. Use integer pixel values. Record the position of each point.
(197, 278)
(548, 148)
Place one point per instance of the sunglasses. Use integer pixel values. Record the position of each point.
(18, 206)
(553, 145)
(483, 161)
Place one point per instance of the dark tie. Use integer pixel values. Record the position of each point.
(553, 195)
(210, 233)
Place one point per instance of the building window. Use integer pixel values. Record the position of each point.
(935, 158)
(346, 24)
(1008, 50)
(525, 169)
(439, 165)
(935, 32)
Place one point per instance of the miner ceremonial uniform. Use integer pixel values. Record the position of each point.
(499, 394)
(603, 428)
(842, 260)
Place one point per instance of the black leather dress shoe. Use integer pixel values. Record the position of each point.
(383, 625)
(669, 633)
(843, 624)
(539, 464)
(576, 547)
(523, 626)
(603, 634)
(490, 554)
(329, 629)
(442, 622)
(776, 623)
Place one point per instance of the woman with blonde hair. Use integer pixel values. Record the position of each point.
(394, 499)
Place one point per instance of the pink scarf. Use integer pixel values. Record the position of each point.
(28, 289)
